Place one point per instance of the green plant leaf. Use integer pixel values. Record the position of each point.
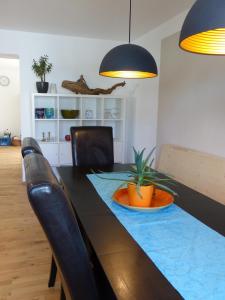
(41, 67)
(148, 157)
(142, 174)
(166, 188)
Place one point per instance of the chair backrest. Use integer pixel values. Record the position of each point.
(30, 145)
(57, 218)
(92, 146)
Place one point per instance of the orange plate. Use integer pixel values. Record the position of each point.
(161, 199)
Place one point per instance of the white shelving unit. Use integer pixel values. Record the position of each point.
(93, 111)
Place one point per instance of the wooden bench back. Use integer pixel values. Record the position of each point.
(200, 171)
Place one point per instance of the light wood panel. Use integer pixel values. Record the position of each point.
(201, 171)
(24, 251)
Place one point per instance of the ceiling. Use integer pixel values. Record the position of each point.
(106, 19)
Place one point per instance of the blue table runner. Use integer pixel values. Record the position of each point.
(188, 253)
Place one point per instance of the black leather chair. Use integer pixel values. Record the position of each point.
(30, 145)
(53, 210)
(92, 146)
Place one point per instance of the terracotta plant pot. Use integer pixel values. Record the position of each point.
(136, 200)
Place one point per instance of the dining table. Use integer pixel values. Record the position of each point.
(124, 267)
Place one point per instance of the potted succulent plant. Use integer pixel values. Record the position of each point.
(41, 68)
(142, 180)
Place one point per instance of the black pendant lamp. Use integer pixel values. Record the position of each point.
(203, 30)
(128, 61)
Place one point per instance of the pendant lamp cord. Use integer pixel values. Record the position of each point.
(130, 22)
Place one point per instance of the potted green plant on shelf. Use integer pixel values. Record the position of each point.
(42, 67)
(142, 179)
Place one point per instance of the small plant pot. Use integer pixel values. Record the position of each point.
(134, 197)
(42, 87)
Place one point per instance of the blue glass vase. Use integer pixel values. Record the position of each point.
(49, 113)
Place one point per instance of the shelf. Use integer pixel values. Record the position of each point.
(92, 120)
(64, 142)
(50, 142)
(101, 119)
(112, 119)
(94, 110)
(44, 95)
(46, 119)
(78, 96)
(69, 119)
(78, 120)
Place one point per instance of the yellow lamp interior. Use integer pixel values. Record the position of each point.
(208, 42)
(128, 74)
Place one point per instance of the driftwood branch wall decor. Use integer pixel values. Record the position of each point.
(80, 87)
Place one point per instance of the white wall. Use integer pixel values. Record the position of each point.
(70, 56)
(9, 97)
(147, 90)
(188, 106)
(74, 56)
(191, 99)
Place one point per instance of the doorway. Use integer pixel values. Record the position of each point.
(9, 99)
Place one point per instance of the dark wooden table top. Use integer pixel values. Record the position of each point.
(129, 271)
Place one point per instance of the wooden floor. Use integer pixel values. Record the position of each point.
(24, 251)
